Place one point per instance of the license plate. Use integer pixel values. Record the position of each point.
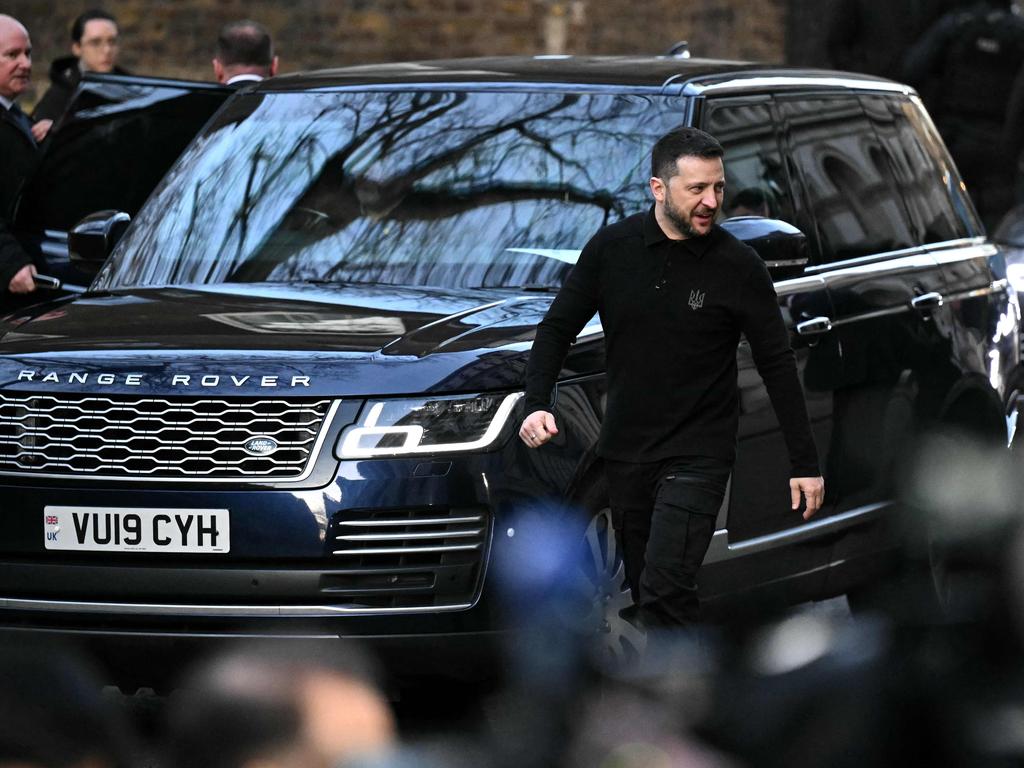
(125, 529)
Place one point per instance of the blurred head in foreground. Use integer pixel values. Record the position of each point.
(282, 705)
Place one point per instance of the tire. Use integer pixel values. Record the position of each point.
(943, 549)
(603, 576)
(916, 588)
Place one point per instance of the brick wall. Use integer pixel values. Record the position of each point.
(175, 37)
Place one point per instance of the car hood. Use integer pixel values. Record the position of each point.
(306, 339)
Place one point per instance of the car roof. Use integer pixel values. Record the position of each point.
(631, 72)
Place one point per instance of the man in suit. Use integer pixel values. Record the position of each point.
(245, 53)
(19, 155)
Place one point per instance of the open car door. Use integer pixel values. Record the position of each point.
(117, 139)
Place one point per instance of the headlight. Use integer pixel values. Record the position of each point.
(426, 425)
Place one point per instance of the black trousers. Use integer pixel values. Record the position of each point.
(664, 514)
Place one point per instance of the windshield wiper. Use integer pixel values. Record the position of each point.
(538, 288)
(529, 287)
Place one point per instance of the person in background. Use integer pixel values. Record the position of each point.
(19, 155)
(95, 40)
(964, 68)
(280, 705)
(245, 53)
(749, 202)
(872, 36)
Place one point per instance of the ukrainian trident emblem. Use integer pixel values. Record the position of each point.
(697, 299)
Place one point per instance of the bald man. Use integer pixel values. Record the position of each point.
(245, 53)
(19, 155)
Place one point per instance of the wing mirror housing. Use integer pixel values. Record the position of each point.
(781, 246)
(92, 239)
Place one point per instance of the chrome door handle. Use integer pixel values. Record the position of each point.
(814, 327)
(927, 301)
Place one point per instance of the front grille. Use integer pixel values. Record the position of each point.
(124, 437)
(408, 558)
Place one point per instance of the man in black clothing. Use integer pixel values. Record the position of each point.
(872, 36)
(964, 68)
(18, 156)
(674, 292)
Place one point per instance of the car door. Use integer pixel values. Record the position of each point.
(118, 137)
(886, 291)
(977, 312)
(760, 539)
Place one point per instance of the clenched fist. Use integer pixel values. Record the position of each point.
(538, 428)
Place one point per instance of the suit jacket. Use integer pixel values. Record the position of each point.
(19, 156)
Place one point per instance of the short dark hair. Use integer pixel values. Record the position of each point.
(245, 42)
(682, 142)
(78, 26)
(242, 703)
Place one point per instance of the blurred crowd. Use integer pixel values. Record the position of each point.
(924, 672)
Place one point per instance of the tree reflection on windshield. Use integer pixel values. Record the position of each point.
(433, 188)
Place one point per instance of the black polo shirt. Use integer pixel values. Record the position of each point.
(673, 312)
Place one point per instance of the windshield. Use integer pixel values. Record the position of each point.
(414, 188)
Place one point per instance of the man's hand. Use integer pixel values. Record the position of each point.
(813, 490)
(22, 281)
(40, 129)
(538, 428)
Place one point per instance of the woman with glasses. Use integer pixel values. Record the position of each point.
(94, 45)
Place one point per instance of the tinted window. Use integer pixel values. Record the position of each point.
(925, 184)
(112, 148)
(456, 189)
(850, 188)
(756, 182)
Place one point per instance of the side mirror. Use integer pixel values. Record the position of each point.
(92, 239)
(782, 246)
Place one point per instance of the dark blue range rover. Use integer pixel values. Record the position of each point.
(287, 403)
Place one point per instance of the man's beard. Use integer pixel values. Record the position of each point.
(682, 223)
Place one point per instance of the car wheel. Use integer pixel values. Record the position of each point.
(617, 638)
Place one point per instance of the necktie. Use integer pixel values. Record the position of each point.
(21, 120)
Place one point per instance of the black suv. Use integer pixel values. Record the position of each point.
(288, 401)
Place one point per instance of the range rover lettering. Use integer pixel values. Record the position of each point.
(287, 402)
